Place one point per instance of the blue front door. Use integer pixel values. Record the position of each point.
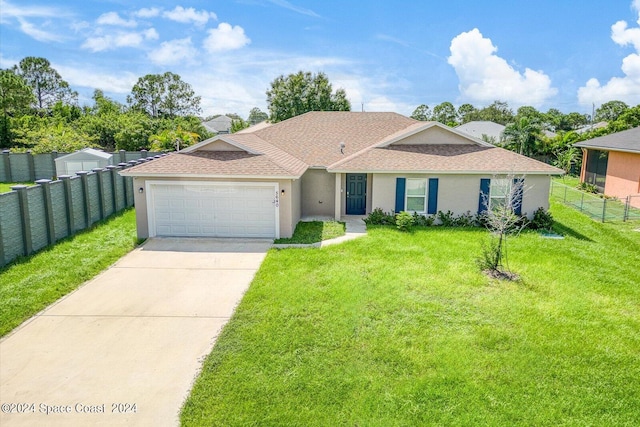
(356, 193)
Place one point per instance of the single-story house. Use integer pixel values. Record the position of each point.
(612, 164)
(483, 129)
(260, 183)
(82, 160)
(220, 124)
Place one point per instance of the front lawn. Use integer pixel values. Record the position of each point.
(32, 283)
(314, 231)
(402, 329)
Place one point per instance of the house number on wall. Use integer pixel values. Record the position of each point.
(276, 201)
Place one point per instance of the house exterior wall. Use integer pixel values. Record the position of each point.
(623, 175)
(318, 193)
(287, 213)
(296, 204)
(459, 193)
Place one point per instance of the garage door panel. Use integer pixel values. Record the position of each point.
(238, 210)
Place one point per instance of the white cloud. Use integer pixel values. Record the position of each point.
(484, 76)
(625, 88)
(150, 12)
(186, 16)
(37, 33)
(174, 52)
(106, 80)
(112, 18)
(10, 10)
(119, 39)
(225, 37)
(285, 4)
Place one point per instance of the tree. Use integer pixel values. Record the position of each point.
(303, 92)
(173, 140)
(103, 120)
(445, 113)
(256, 116)
(15, 99)
(238, 125)
(46, 83)
(565, 159)
(501, 220)
(422, 113)
(610, 111)
(522, 135)
(164, 95)
(464, 110)
(497, 112)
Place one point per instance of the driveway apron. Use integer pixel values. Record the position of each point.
(125, 348)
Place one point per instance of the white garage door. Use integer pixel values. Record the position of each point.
(213, 210)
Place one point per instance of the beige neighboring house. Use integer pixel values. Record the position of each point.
(260, 183)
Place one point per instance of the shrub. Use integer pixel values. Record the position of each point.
(589, 188)
(404, 221)
(446, 218)
(542, 220)
(422, 220)
(380, 217)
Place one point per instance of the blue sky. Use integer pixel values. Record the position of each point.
(387, 55)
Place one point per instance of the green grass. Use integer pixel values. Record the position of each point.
(315, 231)
(6, 186)
(401, 329)
(30, 284)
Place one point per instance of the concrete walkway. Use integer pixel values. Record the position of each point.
(137, 334)
(354, 228)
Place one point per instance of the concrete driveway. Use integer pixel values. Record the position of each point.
(125, 348)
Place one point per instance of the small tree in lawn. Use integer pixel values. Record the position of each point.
(501, 219)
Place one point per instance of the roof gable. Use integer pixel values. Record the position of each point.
(432, 133)
(220, 143)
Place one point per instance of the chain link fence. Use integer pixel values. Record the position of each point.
(596, 207)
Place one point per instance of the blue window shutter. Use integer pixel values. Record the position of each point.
(517, 201)
(432, 207)
(400, 188)
(485, 185)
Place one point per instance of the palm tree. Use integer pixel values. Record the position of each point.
(522, 135)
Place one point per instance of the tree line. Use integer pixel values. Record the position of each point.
(549, 135)
(40, 113)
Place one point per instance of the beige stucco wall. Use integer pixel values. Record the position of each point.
(459, 193)
(318, 193)
(623, 175)
(296, 204)
(288, 215)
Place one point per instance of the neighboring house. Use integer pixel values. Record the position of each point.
(82, 160)
(491, 131)
(612, 164)
(260, 183)
(590, 127)
(221, 124)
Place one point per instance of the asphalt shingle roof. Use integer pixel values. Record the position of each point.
(443, 158)
(626, 140)
(314, 139)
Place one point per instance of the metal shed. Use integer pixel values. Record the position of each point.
(82, 160)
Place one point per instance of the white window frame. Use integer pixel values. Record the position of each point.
(499, 189)
(424, 197)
